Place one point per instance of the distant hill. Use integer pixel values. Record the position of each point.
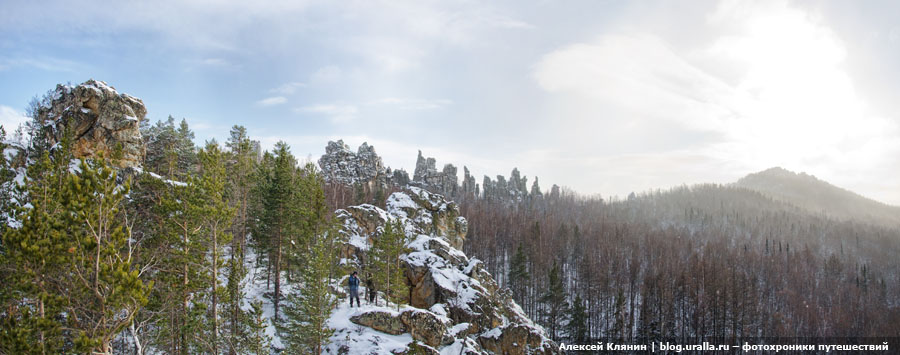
(808, 192)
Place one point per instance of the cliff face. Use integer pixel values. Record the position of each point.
(99, 119)
(454, 304)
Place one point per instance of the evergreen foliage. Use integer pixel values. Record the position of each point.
(554, 301)
(386, 267)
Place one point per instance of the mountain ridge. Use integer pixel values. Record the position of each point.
(819, 196)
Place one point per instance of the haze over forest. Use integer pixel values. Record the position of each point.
(608, 97)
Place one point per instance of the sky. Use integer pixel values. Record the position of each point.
(603, 97)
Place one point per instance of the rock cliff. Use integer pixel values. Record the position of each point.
(341, 165)
(99, 119)
(454, 304)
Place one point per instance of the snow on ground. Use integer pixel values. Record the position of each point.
(357, 339)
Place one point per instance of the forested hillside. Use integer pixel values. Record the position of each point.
(155, 245)
(818, 196)
(692, 261)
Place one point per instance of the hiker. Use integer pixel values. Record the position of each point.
(353, 282)
(371, 291)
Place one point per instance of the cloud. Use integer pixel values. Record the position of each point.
(339, 113)
(42, 63)
(411, 104)
(288, 88)
(272, 101)
(326, 75)
(10, 119)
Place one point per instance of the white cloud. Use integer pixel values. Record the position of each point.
(272, 101)
(288, 88)
(412, 104)
(339, 113)
(326, 75)
(10, 119)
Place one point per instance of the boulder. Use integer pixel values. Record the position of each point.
(99, 118)
(381, 321)
(516, 339)
(424, 326)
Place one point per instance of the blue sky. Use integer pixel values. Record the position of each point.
(605, 97)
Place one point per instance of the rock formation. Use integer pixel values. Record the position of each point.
(454, 303)
(99, 118)
(427, 176)
(341, 165)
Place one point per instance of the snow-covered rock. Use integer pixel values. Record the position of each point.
(99, 118)
(454, 305)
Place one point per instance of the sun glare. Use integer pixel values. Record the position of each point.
(797, 101)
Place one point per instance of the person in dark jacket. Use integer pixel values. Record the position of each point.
(371, 291)
(353, 282)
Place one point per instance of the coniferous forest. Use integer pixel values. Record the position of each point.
(96, 258)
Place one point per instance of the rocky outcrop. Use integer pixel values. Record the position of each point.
(385, 322)
(99, 118)
(342, 165)
(454, 303)
(427, 176)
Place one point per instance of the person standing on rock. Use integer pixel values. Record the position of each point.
(353, 282)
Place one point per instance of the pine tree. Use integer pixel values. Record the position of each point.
(279, 213)
(577, 326)
(306, 313)
(386, 267)
(554, 300)
(518, 276)
(184, 149)
(106, 289)
(182, 210)
(76, 271)
(7, 174)
(618, 328)
(259, 342)
(34, 262)
(241, 165)
(217, 218)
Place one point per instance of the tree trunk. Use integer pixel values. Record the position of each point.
(277, 277)
(215, 296)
